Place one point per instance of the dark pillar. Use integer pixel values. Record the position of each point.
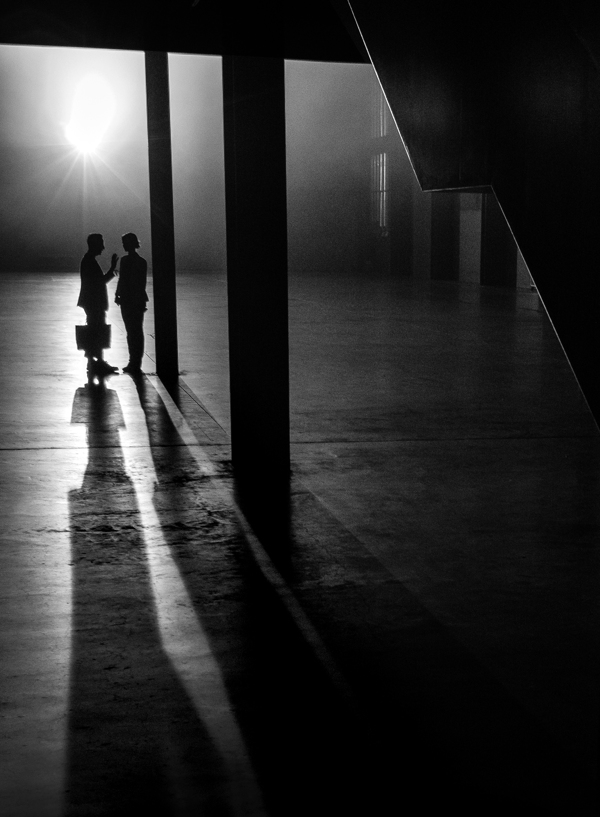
(161, 215)
(445, 236)
(255, 187)
(498, 247)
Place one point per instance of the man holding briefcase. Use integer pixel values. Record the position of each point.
(93, 298)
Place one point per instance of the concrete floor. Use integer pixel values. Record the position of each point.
(425, 639)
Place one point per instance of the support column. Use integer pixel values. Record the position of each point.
(161, 215)
(445, 236)
(498, 247)
(255, 187)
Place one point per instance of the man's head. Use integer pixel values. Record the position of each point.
(130, 241)
(95, 243)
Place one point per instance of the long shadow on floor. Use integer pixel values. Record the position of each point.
(136, 742)
(311, 753)
(134, 739)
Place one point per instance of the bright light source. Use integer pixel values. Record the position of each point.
(92, 112)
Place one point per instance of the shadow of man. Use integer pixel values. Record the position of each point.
(135, 743)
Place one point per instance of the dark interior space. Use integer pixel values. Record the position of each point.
(335, 548)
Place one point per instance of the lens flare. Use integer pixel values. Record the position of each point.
(92, 112)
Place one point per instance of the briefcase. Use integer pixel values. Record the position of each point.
(90, 337)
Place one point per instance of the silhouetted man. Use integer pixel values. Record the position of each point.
(132, 298)
(93, 298)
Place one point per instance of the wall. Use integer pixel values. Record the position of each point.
(198, 165)
(328, 128)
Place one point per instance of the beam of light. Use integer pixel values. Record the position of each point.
(183, 637)
(101, 168)
(91, 115)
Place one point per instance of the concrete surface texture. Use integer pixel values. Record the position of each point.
(422, 637)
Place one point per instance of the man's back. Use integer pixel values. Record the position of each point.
(131, 289)
(93, 294)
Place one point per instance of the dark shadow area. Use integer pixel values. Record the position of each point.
(266, 504)
(453, 733)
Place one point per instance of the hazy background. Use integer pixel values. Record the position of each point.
(51, 197)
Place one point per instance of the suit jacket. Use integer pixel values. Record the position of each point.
(93, 295)
(131, 289)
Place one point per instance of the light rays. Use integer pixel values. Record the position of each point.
(98, 166)
(184, 639)
(94, 109)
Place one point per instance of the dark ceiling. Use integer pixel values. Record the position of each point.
(297, 29)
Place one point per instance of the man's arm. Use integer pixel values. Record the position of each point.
(108, 276)
(118, 289)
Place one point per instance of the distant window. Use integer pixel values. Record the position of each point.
(380, 123)
(381, 114)
(379, 191)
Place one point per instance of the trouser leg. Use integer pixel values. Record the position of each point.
(96, 319)
(134, 326)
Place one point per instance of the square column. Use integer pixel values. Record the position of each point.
(161, 215)
(445, 236)
(256, 213)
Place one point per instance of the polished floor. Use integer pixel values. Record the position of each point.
(423, 638)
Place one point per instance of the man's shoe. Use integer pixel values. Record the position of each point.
(131, 369)
(103, 367)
